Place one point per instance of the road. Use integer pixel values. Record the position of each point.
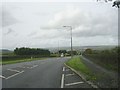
(50, 73)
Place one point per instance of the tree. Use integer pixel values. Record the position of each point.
(88, 51)
(62, 51)
(73, 52)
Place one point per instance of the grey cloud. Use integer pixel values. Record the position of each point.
(51, 34)
(9, 31)
(93, 31)
(43, 14)
(32, 34)
(7, 18)
(88, 26)
(47, 36)
(94, 24)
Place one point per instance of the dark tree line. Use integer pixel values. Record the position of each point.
(73, 52)
(62, 51)
(31, 51)
(115, 50)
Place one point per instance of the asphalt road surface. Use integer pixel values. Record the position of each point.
(49, 73)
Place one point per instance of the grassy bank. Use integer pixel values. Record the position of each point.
(77, 64)
(110, 62)
(107, 58)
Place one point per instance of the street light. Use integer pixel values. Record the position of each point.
(71, 40)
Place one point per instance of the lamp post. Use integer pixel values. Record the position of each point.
(58, 49)
(71, 39)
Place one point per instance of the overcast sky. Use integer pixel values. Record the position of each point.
(39, 24)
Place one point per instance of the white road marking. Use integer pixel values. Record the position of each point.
(67, 69)
(25, 67)
(62, 81)
(2, 76)
(14, 75)
(70, 74)
(22, 67)
(13, 70)
(63, 68)
(30, 67)
(33, 66)
(73, 83)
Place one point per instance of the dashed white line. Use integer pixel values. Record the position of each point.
(30, 67)
(70, 74)
(33, 66)
(67, 69)
(14, 75)
(27, 67)
(73, 83)
(62, 81)
(13, 70)
(63, 68)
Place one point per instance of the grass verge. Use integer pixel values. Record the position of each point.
(19, 61)
(77, 64)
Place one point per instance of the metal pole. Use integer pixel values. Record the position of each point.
(71, 39)
(58, 48)
(71, 43)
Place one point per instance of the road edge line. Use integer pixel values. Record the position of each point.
(90, 83)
